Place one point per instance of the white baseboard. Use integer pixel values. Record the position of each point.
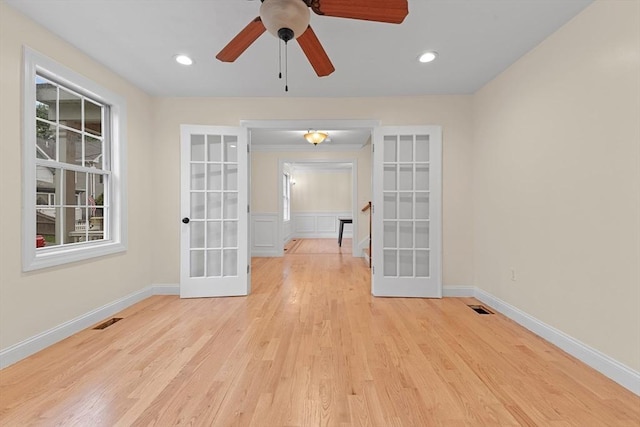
(166, 289)
(458, 291)
(34, 344)
(362, 245)
(599, 361)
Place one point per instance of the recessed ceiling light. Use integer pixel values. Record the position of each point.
(184, 60)
(428, 56)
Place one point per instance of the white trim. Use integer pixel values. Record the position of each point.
(166, 289)
(458, 291)
(325, 147)
(23, 349)
(599, 361)
(362, 245)
(337, 124)
(34, 62)
(261, 224)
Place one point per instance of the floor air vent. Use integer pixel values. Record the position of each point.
(108, 323)
(481, 309)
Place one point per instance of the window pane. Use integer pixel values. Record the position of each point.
(214, 205)
(230, 177)
(390, 263)
(405, 235)
(406, 206)
(80, 189)
(230, 262)
(46, 99)
(390, 234)
(46, 182)
(70, 216)
(405, 179)
(422, 148)
(406, 148)
(70, 106)
(70, 147)
(197, 234)
(197, 148)
(197, 263)
(214, 263)
(390, 177)
(422, 234)
(230, 234)
(422, 177)
(214, 234)
(390, 149)
(214, 148)
(230, 206)
(214, 177)
(197, 176)
(230, 149)
(92, 118)
(390, 208)
(405, 261)
(45, 140)
(422, 264)
(197, 205)
(92, 152)
(46, 220)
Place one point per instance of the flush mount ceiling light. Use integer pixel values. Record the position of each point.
(428, 56)
(314, 137)
(183, 60)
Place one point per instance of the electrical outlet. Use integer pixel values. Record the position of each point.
(513, 275)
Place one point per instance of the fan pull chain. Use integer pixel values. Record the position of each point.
(279, 59)
(286, 67)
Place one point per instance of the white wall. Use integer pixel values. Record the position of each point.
(321, 191)
(453, 113)
(31, 303)
(556, 181)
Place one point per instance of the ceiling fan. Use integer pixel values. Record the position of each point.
(289, 19)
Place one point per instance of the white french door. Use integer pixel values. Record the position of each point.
(407, 206)
(214, 202)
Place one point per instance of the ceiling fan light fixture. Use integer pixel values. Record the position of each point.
(429, 56)
(314, 137)
(289, 14)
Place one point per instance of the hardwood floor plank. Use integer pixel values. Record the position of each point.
(309, 347)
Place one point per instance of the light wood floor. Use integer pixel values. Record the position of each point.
(309, 347)
(318, 246)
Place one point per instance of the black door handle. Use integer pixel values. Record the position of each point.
(185, 220)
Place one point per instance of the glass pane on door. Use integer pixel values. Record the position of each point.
(214, 206)
(405, 184)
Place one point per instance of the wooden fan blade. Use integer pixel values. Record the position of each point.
(391, 11)
(315, 53)
(242, 41)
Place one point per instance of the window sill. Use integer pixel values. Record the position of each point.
(44, 258)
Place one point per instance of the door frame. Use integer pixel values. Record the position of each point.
(354, 198)
(338, 124)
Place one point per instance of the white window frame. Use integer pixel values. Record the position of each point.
(32, 259)
(286, 196)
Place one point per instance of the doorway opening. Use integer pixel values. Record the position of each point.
(339, 166)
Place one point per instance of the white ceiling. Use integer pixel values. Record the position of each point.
(476, 40)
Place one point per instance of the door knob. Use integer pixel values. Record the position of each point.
(185, 220)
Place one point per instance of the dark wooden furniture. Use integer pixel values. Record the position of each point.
(343, 221)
